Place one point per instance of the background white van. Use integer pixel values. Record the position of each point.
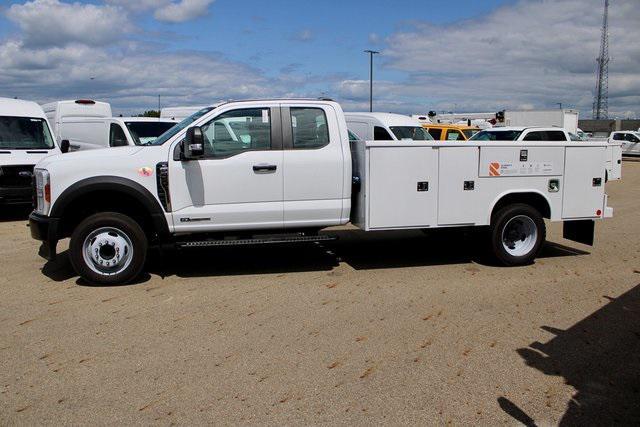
(386, 127)
(95, 132)
(64, 117)
(25, 139)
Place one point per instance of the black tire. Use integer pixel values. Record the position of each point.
(123, 224)
(518, 213)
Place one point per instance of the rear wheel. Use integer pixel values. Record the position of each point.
(108, 248)
(517, 234)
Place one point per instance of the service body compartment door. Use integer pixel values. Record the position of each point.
(583, 182)
(458, 193)
(402, 187)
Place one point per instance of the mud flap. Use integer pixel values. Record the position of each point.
(582, 231)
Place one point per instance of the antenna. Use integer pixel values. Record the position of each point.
(601, 96)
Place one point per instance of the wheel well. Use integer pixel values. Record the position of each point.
(535, 200)
(105, 201)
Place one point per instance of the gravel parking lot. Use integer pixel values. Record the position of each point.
(397, 328)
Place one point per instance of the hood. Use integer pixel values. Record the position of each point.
(25, 157)
(102, 153)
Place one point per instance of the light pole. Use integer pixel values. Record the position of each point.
(559, 104)
(371, 53)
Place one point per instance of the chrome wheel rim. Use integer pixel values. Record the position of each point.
(519, 235)
(107, 251)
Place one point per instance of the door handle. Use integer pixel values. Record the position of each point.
(263, 168)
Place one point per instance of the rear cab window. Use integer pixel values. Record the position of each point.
(381, 134)
(309, 128)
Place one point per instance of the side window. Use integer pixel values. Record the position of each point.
(534, 136)
(309, 128)
(556, 135)
(435, 133)
(381, 134)
(236, 131)
(631, 138)
(454, 135)
(618, 137)
(116, 136)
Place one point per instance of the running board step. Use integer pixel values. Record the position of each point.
(259, 241)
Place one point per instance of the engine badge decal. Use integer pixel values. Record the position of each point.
(145, 171)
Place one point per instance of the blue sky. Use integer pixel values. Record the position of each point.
(443, 55)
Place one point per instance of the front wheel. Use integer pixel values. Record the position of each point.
(517, 234)
(108, 248)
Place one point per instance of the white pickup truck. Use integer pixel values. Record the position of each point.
(289, 170)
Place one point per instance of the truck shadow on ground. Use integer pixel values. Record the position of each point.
(598, 356)
(357, 249)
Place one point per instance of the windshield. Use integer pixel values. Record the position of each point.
(496, 135)
(417, 133)
(180, 126)
(145, 132)
(470, 132)
(24, 133)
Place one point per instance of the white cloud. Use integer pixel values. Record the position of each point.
(183, 10)
(54, 23)
(535, 53)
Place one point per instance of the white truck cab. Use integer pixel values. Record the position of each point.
(386, 127)
(630, 141)
(279, 171)
(25, 139)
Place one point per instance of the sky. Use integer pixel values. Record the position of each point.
(455, 55)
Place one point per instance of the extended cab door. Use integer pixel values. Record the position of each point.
(238, 184)
(313, 166)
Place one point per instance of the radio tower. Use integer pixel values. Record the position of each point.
(601, 97)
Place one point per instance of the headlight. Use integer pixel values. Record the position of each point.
(43, 191)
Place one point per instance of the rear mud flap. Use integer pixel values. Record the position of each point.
(582, 231)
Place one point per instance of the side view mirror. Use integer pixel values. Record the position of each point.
(64, 146)
(193, 145)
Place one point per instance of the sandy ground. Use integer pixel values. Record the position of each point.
(396, 328)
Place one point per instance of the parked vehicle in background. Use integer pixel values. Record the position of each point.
(613, 165)
(292, 171)
(59, 113)
(450, 132)
(25, 139)
(86, 133)
(567, 119)
(178, 113)
(386, 127)
(630, 142)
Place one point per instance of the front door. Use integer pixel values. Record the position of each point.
(238, 184)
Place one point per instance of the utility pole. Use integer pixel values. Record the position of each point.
(559, 104)
(601, 96)
(158, 104)
(371, 53)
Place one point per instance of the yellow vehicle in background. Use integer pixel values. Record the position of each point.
(450, 132)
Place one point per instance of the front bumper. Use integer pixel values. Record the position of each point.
(16, 196)
(45, 229)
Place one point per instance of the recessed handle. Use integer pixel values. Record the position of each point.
(263, 168)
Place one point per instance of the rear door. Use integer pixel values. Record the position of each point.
(313, 166)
